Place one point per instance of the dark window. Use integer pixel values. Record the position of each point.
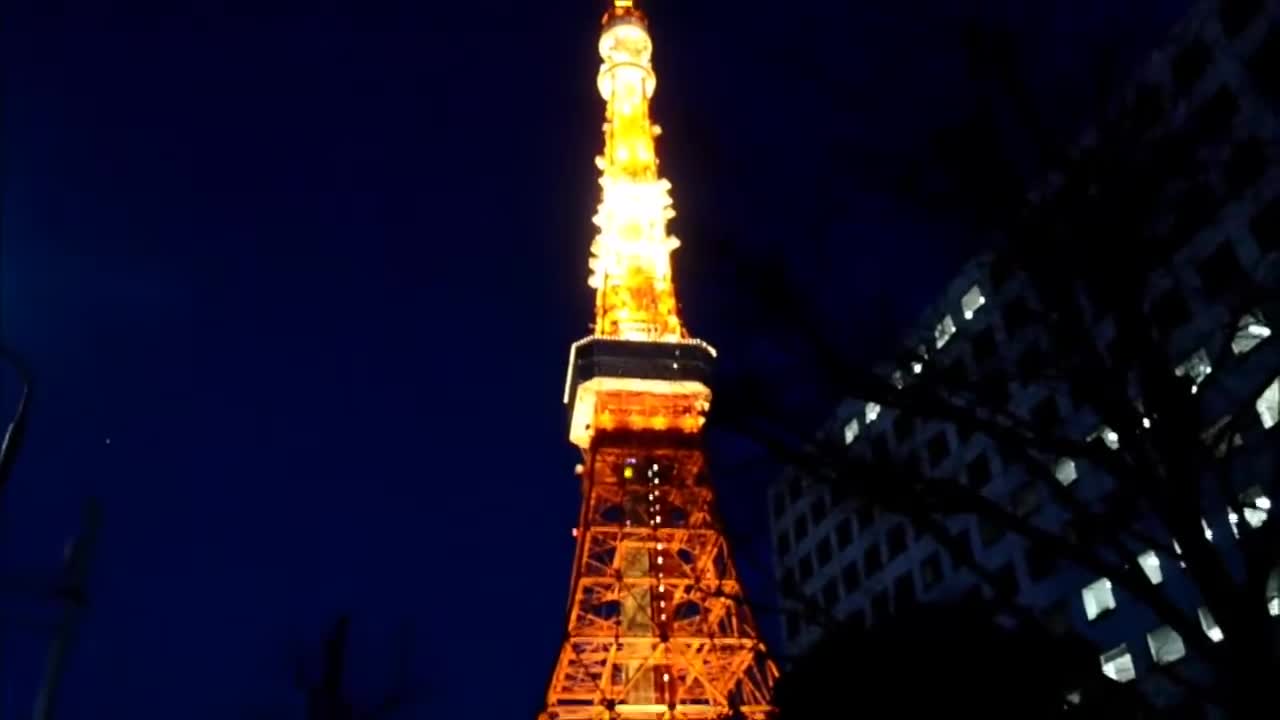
(1025, 500)
(954, 374)
(824, 552)
(830, 593)
(880, 607)
(1221, 270)
(1003, 268)
(938, 448)
(1070, 534)
(1246, 164)
(904, 592)
(1213, 120)
(865, 517)
(1058, 617)
(841, 490)
(880, 447)
(1265, 225)
(1235, 15)
(1040, 562)
(993, 393)
(806, 568)
(1032, 363)
(931, 571)
(1006, 581)
(897, 540)
(784, 544)
(1196, 208)
(978, 472)
(1170, 311)
(850, 579)
(962, 547)
(844, 532)
(872, 562)
(1189, 64)
(1148, 107)
(1017, 316)
(984, 346)
(903, 426)
(1264, 66)
(779, 505)
(790, 582)
(858, 619)
(801, 527)
(1045, 415)
(1175, 154)
(820, 508)
(988, 532)
(792, 620)
(795, 490)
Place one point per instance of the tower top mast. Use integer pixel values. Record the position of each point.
(631, 253)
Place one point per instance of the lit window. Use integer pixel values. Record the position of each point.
(1210, 626)
(1166, 645)
(1251, 331)
(971, 301)
(873, 411)
(1110, 437)
(1117, 664)
(1234, 521)
(850, 431)
(1098, 598)
(1256, 506)
(1268, 404)
(1196, 367)
(943, 332)
(1150, 563)
(1065, 471)
(1208, 532)
(917, 366)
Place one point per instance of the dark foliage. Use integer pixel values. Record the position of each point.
(945, 661)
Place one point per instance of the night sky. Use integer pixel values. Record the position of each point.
(297, 287)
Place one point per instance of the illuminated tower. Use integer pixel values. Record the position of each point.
(657, 629)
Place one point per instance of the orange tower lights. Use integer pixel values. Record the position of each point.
(657, 629)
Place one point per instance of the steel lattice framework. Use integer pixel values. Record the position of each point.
(657, 628)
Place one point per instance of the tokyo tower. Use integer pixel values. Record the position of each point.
(656, 627)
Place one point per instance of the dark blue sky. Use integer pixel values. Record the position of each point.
(297, 287)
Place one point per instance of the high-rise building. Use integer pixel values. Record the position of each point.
(657, 625)
(1214, 87)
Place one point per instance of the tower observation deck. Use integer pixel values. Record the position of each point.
(657, 628)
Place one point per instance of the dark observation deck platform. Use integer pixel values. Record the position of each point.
(595, 357)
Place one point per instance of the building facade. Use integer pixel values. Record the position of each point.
(1216, 85)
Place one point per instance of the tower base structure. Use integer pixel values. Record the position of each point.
(657, 625)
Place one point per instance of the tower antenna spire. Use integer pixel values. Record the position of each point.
(631, 254)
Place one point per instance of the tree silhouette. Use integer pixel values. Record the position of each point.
(1180, 456)
(947, 660)
(327, 697)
